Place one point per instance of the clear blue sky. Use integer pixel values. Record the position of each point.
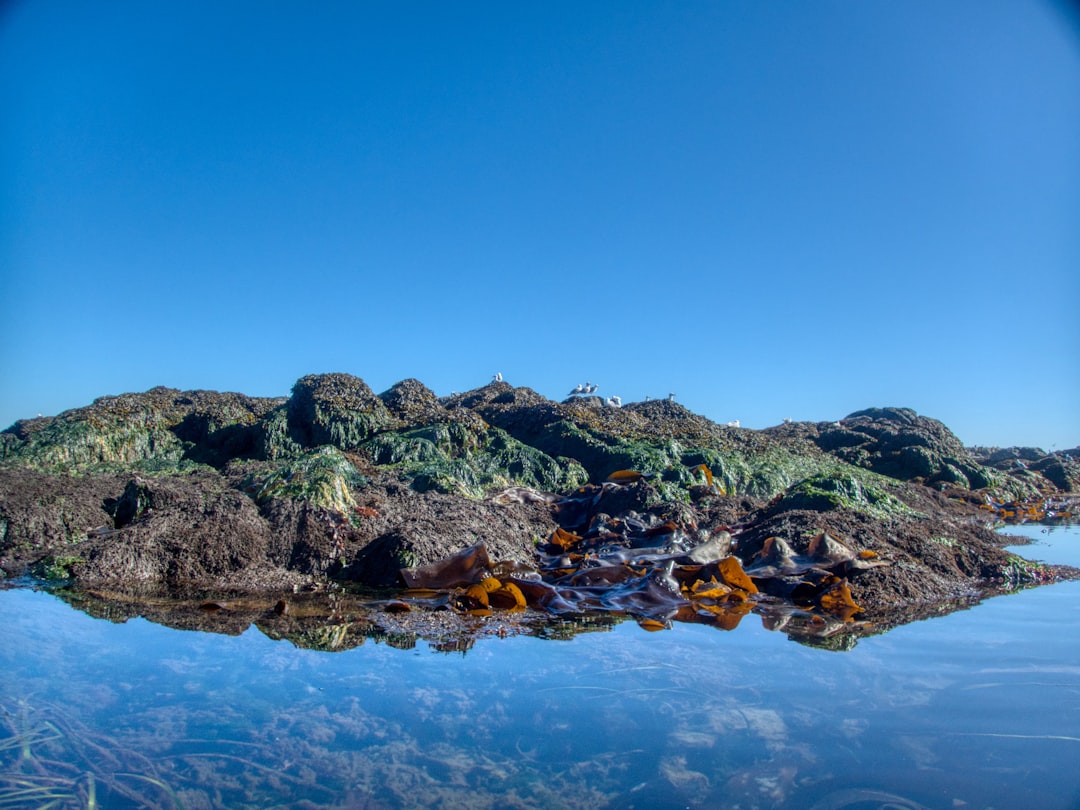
(773, 209)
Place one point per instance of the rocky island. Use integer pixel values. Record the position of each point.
(500, 501)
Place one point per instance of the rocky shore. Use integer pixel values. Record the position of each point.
(336, 484)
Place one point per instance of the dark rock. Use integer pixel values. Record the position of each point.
(1032, 471)
(899, 443)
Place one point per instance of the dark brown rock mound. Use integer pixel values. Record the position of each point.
(521, 412)
(1033, 465)
(899, 443)
(179, 530)
(414, 404)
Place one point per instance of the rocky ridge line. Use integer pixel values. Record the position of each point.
(337, 483)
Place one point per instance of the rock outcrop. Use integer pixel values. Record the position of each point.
(1030, 469)
(337, 483)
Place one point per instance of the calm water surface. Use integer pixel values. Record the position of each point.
(976, 709)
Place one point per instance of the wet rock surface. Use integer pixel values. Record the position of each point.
(337, 484)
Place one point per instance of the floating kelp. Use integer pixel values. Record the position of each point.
(1042, 510)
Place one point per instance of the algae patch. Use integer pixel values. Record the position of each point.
(322, 477)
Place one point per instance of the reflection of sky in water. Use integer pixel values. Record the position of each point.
(1052, 544)
(981, 706)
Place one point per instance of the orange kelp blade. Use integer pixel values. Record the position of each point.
(625, 477)
(837, 599)
(564, 539)
(731, 572)
(705, 469)
(507, 597)
(652, 625)
(463, 568)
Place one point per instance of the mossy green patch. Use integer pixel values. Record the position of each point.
(55, 568)
(843, 490)
(81, 445)
(455, 458)
(322, 477)
(275, 441)
(602, 453)
(764, 474)
(162, 430)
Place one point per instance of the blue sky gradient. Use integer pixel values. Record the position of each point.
(773, 209)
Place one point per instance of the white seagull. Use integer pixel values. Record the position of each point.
(589, 388)
(497, 377)
(615, 402)
(579, 390)
(671, 397)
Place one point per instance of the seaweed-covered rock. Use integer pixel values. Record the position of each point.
(161, 429)
(455, 457)
(838, 490)
(414, 404)
(899, 443)
(1030, 471)
(336, 409)
(178, 530)
(324, 477)
(43, 516)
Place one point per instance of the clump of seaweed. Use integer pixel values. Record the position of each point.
(657, 572)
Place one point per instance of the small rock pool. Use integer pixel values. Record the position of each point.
(976, 709)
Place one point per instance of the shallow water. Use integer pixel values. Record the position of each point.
(976, 709)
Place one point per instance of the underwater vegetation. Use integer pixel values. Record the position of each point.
(50, 760)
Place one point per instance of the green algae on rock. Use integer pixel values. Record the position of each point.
(335, 409)
(840, 490)
(470, 460)
(162, 430)
(323, 477)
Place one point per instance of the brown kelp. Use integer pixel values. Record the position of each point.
(657, 571)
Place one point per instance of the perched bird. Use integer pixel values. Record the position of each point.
(579, 390)
(648, 398)
(671, 397)
(589, 387)
(733, 423)
(614, 402)
(497, 377)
